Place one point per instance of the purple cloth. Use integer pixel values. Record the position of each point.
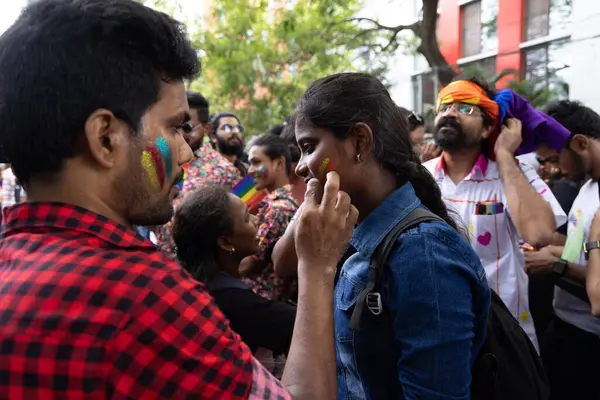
(538, 127)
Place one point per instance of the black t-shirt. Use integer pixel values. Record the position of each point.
(260, 322)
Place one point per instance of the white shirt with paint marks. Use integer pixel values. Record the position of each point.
(480, 201)
(566, 306)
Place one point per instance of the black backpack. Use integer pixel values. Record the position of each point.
(507, 367)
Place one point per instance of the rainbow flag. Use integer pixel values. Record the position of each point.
(246, 191)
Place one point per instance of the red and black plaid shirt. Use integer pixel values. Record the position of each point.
(89, 309)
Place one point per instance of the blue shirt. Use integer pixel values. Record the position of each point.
(436, 302)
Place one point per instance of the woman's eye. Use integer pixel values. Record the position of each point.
(307, 149)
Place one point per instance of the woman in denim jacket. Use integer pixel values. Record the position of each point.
(434, 289)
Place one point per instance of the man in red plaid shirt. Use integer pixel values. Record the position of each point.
(93, 107)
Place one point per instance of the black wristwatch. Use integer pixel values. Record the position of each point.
(590, 246)
(560, 267)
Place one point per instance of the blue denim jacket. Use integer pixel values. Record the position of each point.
(436, 300)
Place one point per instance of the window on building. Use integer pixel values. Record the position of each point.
(484, 68)
(471, 29)
(547, 66)
(547, 18)
(479, 27)
(425, 90)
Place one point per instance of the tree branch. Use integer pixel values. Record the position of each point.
(381, 27)
(395, 30)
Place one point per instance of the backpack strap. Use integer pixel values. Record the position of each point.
(368, 296)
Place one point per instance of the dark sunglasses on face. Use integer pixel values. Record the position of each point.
(232, 128)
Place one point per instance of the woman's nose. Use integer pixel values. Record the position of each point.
(301, 170)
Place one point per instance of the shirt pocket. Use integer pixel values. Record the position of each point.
(491, 240)
(347, 291)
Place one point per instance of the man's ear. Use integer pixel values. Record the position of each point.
(279, 163)
(579, 143)
(488, 131)
(105, 137)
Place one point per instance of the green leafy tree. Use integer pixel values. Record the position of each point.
(258, 59)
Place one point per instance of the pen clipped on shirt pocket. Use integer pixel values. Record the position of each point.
(489, 208)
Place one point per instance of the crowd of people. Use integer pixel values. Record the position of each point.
(375, 265)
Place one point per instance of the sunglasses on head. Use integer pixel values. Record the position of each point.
(415, 119)
(228, 128)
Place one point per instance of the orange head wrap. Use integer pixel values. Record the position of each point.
(470, 93)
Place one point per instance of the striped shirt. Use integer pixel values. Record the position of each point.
(480, 201)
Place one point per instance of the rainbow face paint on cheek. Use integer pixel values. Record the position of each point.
(262, 172)
(150, 167)
(325, 167)
(152, 161)
(165, 152)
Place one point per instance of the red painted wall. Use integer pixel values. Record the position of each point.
(510, 34)
(449, 30)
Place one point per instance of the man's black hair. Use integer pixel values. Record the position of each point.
(576, 117)
(199, 103)
(63, 59)
(275, 147)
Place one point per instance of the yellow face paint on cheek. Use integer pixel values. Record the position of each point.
(150, 168)
(325, 167)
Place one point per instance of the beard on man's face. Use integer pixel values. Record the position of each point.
(450, 136)
(232, 146)
(143, 205)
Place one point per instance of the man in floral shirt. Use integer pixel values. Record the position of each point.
(270, 164)
(207, 166)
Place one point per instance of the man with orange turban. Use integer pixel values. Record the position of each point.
(501, 201)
